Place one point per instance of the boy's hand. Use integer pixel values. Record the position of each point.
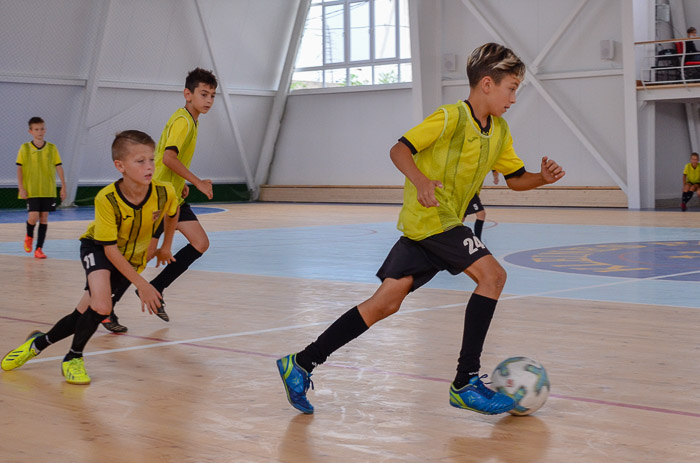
(164, 256)
(206, 188)
(150, 298)
(426, 192)
(62, 193)
(22, 193)
(495, 177)
(550, 170)
(185, 191)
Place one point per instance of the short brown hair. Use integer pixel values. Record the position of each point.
(35, 120)
(495, 61)
(200, 76)
(124, 139)
(695, 154)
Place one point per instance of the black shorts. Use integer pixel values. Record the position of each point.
(474, 206)
(186, 215)
(454, 250)
(41, 204)
(93, 257)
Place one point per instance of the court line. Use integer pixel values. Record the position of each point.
(194, 343)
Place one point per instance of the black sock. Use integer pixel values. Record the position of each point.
(86, 326)
(687, 196)
(41, 236)
(346, 328)
(478, 226)
(183, 259)
(61, 330)
(30, 229)
(477, 319)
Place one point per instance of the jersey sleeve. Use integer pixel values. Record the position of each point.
(177, 134)
(56, 157)
(508, 161)
(172, 204)
(424, 134)
(20, 156)
(105, 222)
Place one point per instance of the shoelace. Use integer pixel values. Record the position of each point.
(483, 390)
(308, 382)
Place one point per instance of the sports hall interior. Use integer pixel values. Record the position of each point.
(603, 276)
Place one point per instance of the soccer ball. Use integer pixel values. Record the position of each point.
(523, 379)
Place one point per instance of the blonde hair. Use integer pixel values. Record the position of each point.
(124, 139)
(495, 61)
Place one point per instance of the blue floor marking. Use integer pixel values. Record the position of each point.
(77, 213)
(353, 253)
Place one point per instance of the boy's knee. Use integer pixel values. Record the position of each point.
(102, 309)
(496, 277)
(201, 245)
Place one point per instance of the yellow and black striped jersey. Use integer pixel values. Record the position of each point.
(449, 146)
(39, 169)
(180, 135)
(130, 226)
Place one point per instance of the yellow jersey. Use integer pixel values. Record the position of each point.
(449, 146)
(180, 135)
(692, 175)
(39, 169)
(130, 226)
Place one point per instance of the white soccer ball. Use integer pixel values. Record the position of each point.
(523, 379)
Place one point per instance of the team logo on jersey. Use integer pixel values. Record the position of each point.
(672, 260)
(156, 215)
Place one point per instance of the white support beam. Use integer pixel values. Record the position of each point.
(647, 154)
(563, 27)
(532, 79)
(629, 88)
(426, 58)
(227, 101)
(691, 112)
(77, 148)
(280, 101)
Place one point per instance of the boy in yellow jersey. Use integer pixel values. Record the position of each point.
(691, 180)
(38, 162)
(114, 250)
(173, 157)
(445, 160)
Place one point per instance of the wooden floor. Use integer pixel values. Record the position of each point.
(204, 387)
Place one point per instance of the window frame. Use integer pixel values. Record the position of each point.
(347, 64)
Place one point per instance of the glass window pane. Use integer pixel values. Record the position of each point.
(335, 77)
(359, 31)
(404, 31)
(361, 76)
(334, 34)
(384, 29)
(311, 50)
(386, 74)
(306, 79)
(406, 72)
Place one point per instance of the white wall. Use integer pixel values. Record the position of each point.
(320, 138)
(46, 49)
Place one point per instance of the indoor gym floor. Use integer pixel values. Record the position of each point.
(607, 300)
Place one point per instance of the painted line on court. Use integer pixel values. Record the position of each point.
(159, 342)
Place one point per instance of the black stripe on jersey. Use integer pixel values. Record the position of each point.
(162, 194)
(117, 212)
(517, 173)
(134, 233)
(408, 144)
(172, 148)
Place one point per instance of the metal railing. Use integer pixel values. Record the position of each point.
(665, 66)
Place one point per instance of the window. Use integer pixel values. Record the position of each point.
(354, 42)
